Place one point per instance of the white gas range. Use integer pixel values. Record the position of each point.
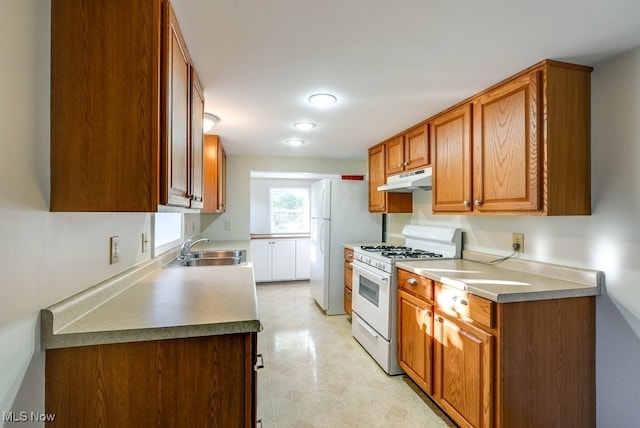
(375, 286)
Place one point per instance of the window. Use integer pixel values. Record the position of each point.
(167, 231)
(289, 210)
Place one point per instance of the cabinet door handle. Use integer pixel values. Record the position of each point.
(259, 362)
(400, 164)
(427, 312)
(466, 203)
(478, 202)
(412, 281)
(406, 163)
(439, 319)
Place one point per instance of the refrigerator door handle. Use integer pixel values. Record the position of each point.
(321, 236)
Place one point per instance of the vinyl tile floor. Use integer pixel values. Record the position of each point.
(317, 375)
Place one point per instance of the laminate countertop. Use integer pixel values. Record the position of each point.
(513, 280)
(158, 300)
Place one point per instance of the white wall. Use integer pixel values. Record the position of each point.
(608, 240)
(238, 188)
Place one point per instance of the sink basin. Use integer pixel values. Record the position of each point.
(215, 261)
(214, 254)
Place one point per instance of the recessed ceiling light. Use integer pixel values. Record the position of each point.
(304, 126)
(322, 99)
(295, 142)
(209, 121)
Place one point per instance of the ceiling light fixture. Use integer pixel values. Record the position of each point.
(304, 126)
(295, 142)
(209, 121)
(322, 99)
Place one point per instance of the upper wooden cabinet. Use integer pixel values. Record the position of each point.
(384, 202)
(215, 171)
(451, 146)
(407, 151)
(121, 111)
(528, 148)
(197, 142)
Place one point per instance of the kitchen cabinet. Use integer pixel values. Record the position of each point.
(407, 151)
(121, 107)
(415, 328)
(215, 171)
(200, 381)
(485, 363)
(384, 202)
(303, 259)
(527, 150)
(348, 280)
(197, 142)
(274, 259)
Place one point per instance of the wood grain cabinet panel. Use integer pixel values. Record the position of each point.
(522, 148)
(203, 382)
(121, 112)
(384, 202)
(415, 339)
(214, 175)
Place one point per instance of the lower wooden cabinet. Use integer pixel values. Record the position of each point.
(463, 367)
(488, 364)
(195, 382)
(348, 280)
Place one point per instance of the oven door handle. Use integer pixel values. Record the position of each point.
(368, 272)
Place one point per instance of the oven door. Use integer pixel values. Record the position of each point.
(371, 298)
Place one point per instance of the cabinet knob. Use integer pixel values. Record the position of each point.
(478, 202)
(412, 281)
(466, 203)
(400, 164)
(405, 163)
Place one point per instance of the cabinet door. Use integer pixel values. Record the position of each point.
(283, 256)
(415, 339)
(395, 155)
(175, 156)
(416, 147)
(451, 145)
(261, 259)
(222, 179)
(303, 261)
(506, 147)
(463, 372)
(377, 178)
(197, 142)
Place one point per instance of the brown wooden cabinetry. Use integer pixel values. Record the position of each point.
(121, 107)
(197, 142)
(407, 151)
(348, 279)
(485, 363)
(215, 171)
(384, 202)
(527, 150)
(202, 381)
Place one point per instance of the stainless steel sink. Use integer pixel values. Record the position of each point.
(214, 258)
(213, 254)
(215, 261)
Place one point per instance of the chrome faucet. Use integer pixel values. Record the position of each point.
(185, 250)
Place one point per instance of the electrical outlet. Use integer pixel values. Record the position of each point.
(518, 239)
(145, 242)
(115, 250)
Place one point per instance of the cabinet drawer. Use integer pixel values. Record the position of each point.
(463, 305)
(348, 255)
(415, 284)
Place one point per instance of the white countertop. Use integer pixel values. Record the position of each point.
(167, 302)
(513, 281)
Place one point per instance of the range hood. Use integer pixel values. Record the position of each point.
(408, 181)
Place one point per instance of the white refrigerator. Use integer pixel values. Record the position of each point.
(339, 215)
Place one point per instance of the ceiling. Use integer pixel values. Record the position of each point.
(391, 63)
